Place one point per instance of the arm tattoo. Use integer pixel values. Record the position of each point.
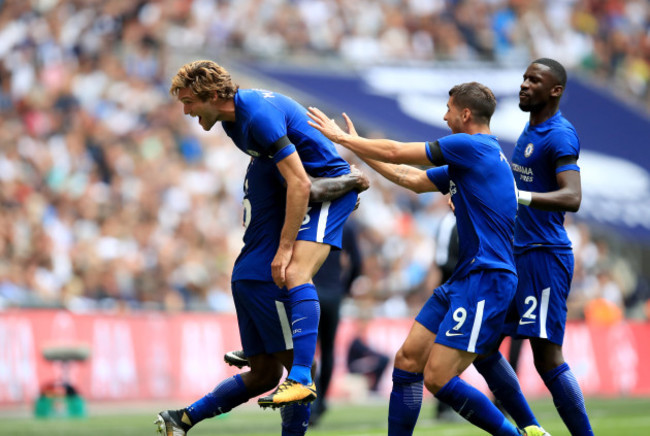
(400, 173)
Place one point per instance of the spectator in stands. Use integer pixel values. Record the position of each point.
(363, 359)
(74, 151)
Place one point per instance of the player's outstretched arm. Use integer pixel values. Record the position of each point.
(404, 175)
(331, 188)
(384, 150)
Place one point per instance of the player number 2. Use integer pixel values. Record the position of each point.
(533, 305)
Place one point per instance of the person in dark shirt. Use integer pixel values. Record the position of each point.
(445, 260)
(333, 282)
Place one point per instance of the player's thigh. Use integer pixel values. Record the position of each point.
(478, 305)
(414, 352)
(435, 309)
(321, 229)
(262, 316)
(544, 284)
(307, 258)
(443, 364)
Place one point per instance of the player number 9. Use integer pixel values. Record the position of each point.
(460, 315)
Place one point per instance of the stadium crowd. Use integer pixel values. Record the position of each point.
(111, 199)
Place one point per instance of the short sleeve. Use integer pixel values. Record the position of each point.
(458, 149)
(564, 142)
(440, 177)
(284, 152)
(267, 126)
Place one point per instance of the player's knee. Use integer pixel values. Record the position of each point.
(437, 373)
(407, 361)
(264, 380)
(295, 276)
(435, 378)
(545, 363)
(547, 356)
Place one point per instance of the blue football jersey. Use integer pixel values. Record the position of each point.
(533, 165)
(482, 189)
(262, 117)
(264, 207)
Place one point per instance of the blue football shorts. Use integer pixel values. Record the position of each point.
(544, 285)
(468, 313)
(324, 221)
(263, 316)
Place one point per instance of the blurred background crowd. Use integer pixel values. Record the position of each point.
(111, 199)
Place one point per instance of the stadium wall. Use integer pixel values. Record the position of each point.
(155, 356)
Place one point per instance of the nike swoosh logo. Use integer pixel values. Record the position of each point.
(303, 228)
(299, 319)
(522, 322)
(448, 333)
(305, 424)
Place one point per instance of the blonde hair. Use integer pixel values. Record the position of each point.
(204, 78)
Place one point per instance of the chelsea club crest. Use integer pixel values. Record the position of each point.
(529, 149)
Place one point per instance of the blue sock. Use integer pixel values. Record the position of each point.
(405, 402)
(568, 399)
(503, 383)
(305, 314)
(295, 419)
(475, 407)
(229, 394)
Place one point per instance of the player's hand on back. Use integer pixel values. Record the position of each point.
(350, 125)
(363, 182)
(327, 126)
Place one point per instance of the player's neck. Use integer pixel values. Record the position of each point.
(541, 115)
(227, 109)
(474, 129)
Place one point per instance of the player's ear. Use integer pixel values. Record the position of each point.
(215, 96)
(467, 114)
(557, 91)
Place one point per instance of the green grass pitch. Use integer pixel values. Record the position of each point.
(609, 417)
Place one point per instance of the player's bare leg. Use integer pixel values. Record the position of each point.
(299, 386)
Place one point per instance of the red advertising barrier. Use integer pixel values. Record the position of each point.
(162, 356)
